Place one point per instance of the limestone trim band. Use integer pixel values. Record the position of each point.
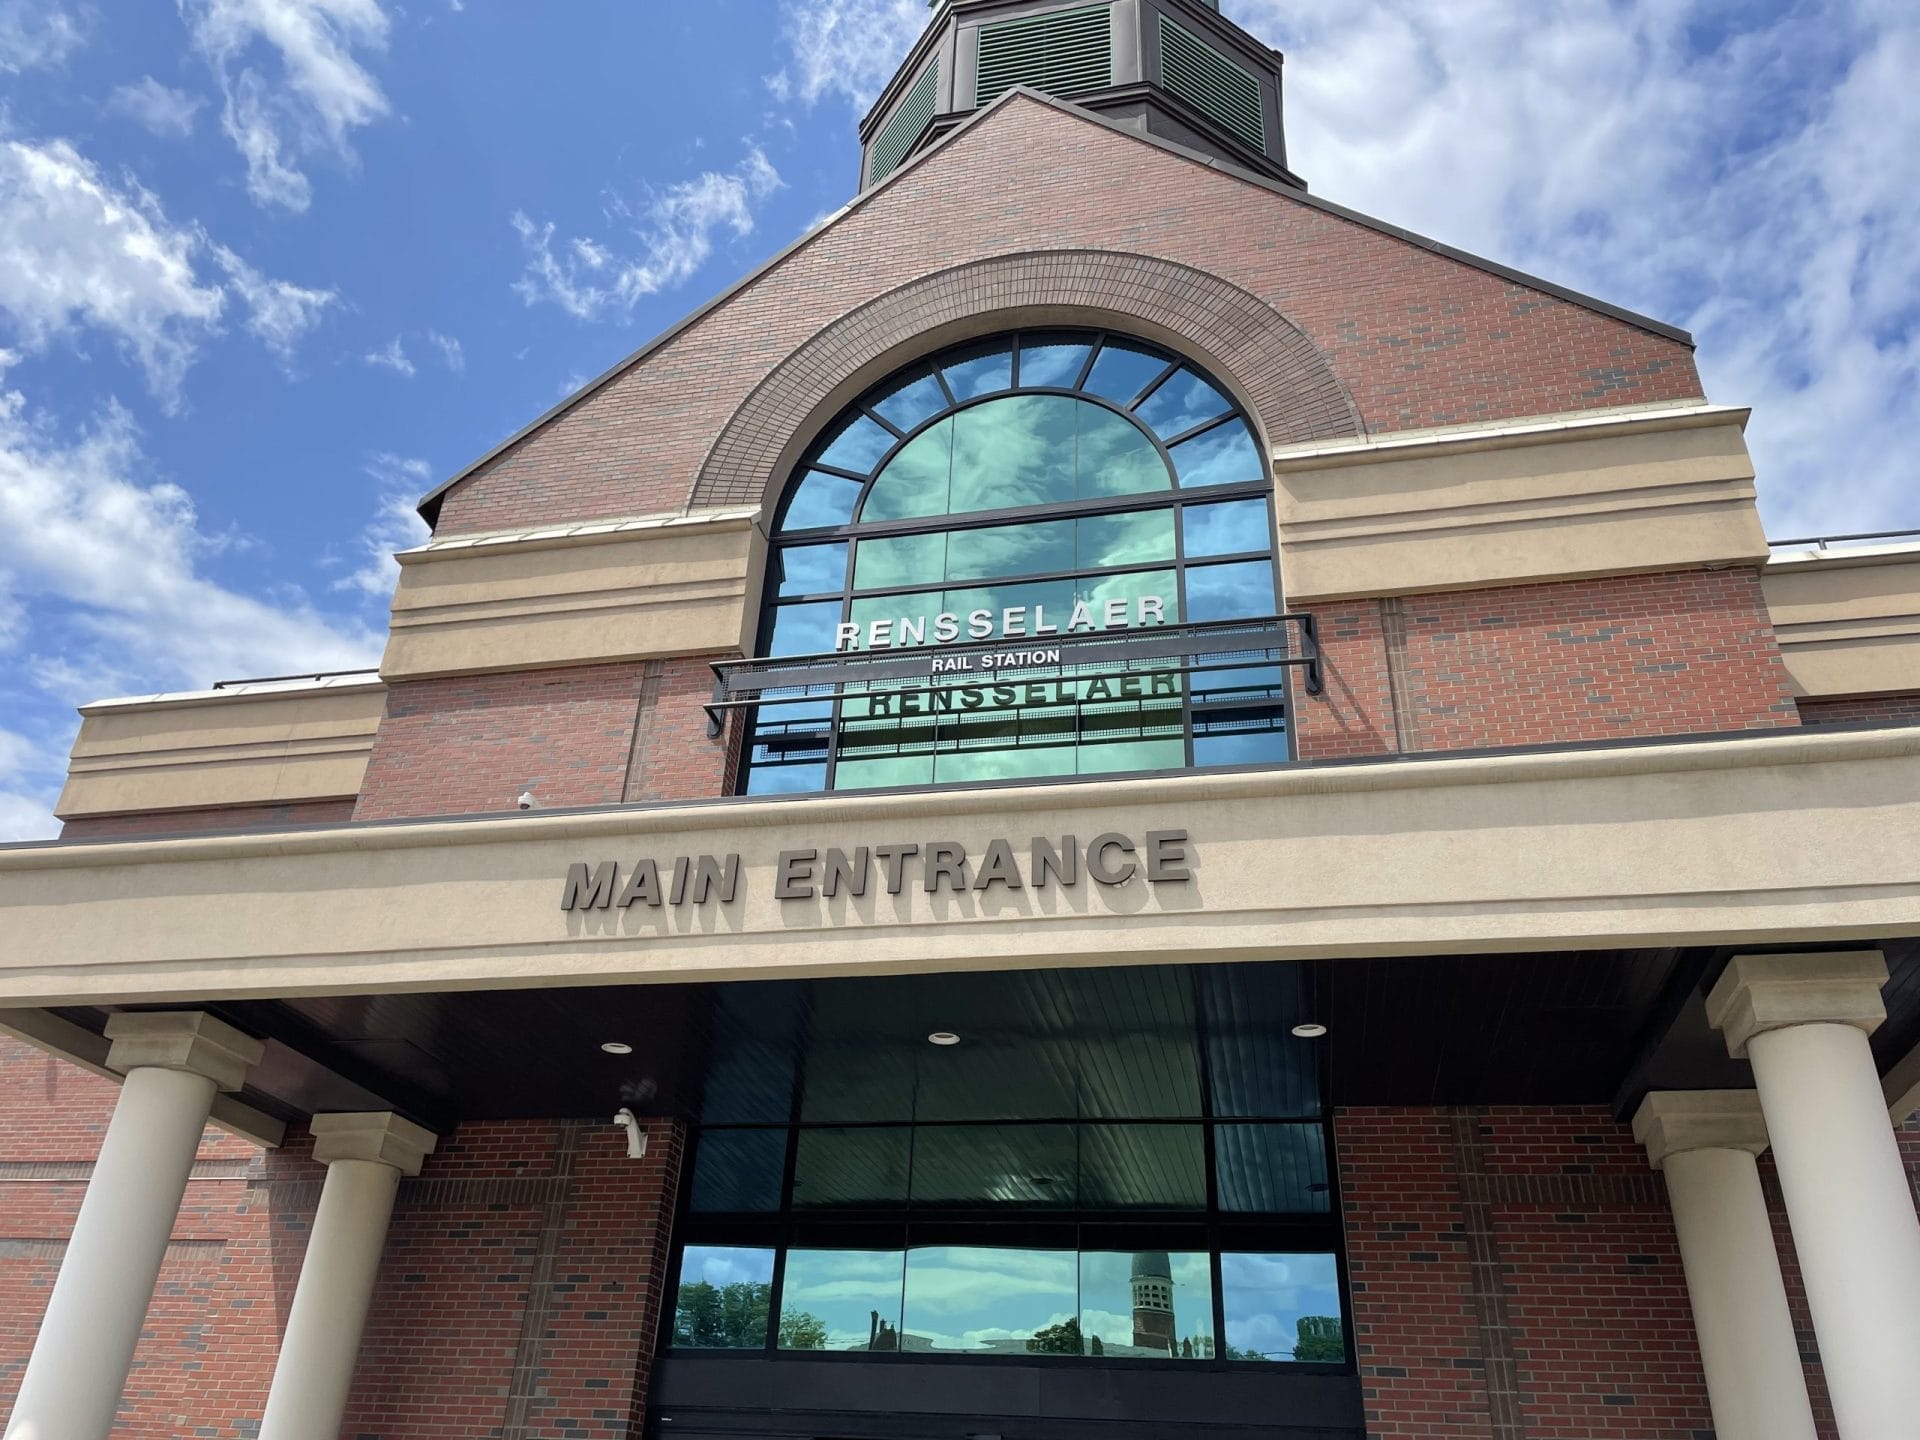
(1723, 842)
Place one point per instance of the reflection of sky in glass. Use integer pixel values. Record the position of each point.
(980, 374)
(1017, 451)
(915, 481)
(1010, 550)
(858, 447)
(985, 1299)
(1223, 456)
(1106, 1303)
(724, 1265)
(1114, 457)
(1133, 539)
(911, 401)
(1120, 374)
(842, 1289)
(1051, 364)
(899, 560)
(1181, 402)
(1129, 587)
(1229, 529)
(1244, 747)
(804, 629)
(813, 569)
(1266, 1296)
(786, 779)
(1229, 592)
(821, 499)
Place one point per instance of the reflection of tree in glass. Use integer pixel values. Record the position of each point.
(1061, 1339)
(801, 1331)
(1320, 1339)
(722, 1317)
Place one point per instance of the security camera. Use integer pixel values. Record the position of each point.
(636, 1137)
(526, 800)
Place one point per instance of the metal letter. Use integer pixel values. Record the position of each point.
(894, 859)
(998, 865)
(643, 888)
(850, 874)
(711, 874)
(596, 893)
(793, 877)
(1097, 859)
(1062, 864)
(1167, 857)
(946, 858)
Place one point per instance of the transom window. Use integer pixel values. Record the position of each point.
(1028, 489)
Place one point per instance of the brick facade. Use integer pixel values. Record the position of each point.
(582, 735)
(1619, 657)
(1864, 710)
(517, 1297)
(1414, 338)
(210, 820)
(1515, 1276)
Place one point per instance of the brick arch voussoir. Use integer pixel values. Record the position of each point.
(1276, 372)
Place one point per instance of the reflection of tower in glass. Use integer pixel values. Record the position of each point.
(1152, 1283)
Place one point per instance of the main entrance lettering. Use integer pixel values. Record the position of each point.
(1160, 857)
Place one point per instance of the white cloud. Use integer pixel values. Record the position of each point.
(1747, 175)
(391, 356)
(279, 313)
(76, 249)
(166, 112)
(33, 34)
(396, 524)
(101, 577)
(845, 47)
(81, 251)
(672, 234)
(451, 355)
(310, 97)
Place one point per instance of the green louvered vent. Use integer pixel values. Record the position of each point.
(908, 124)
(1068, 52)
(1211, 83)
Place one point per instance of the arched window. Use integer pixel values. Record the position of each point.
(993, 506)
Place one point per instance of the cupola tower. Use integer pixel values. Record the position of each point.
(1173, 69)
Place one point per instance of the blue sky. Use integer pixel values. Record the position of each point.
(270, 269)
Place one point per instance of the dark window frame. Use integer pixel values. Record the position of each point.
(1266, 715)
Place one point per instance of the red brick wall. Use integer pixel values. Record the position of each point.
(1588, 1313)
(152, 823)
(516, 1301)
(206, 1352)
(1687, 652)
(1415, 1331)
(1416, 338)
(584, 735)
(520, 1290)
(1865, 710)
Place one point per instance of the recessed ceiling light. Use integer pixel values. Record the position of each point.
(1310, 1030)
(943, 1037)
(616, 1047)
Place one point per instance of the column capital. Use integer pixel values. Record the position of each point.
(377, 1135)
(1671, 1121)
(189, 1040)
(1758, 993)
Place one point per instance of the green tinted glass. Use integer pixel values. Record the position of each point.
(890, 770)
(915, 481)
(1126, 590)
(1010, 550)
(899, 560)
(918, 609)
(1137, 539)
(1114, 458)
(1012, 452)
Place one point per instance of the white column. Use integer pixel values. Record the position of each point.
(365, 1156)
(1705, 1141)
(175, 1062)
(1803, 1020)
